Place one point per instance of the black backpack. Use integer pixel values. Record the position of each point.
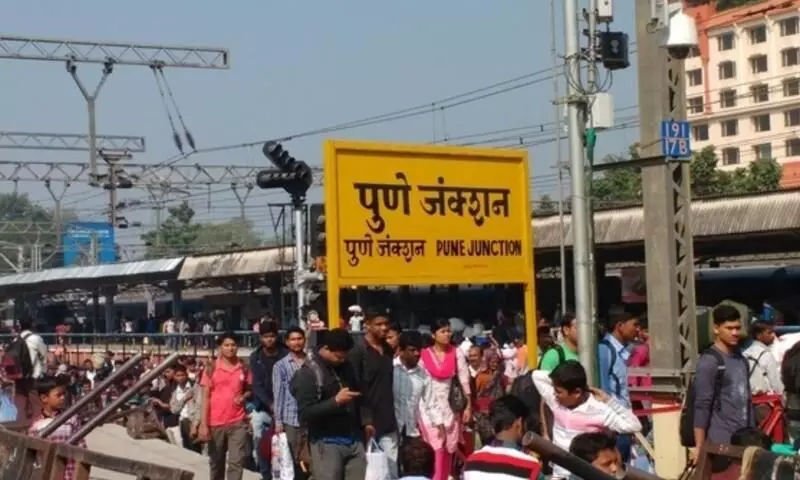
(17, 358)
(523, 388)
(687, 409)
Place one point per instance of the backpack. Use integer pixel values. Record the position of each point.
(316, 369)
(611, 364)
(523, 388)
(687, 408)
(17, 361)
(562, 357)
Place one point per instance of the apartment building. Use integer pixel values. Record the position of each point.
(743, 83)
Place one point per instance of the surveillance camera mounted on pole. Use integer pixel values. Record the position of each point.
(293, 176)
(680, 36)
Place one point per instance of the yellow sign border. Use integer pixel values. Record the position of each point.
(331, 151)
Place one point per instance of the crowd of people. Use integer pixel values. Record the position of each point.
(435, 405)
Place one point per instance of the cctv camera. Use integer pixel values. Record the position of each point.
(681, 35)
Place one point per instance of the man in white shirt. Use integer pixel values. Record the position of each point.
(411, 385)
(765, 375)
(36, 348)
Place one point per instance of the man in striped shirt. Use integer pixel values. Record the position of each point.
(504, 458)
(286, 414)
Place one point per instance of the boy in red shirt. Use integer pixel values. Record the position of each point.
(226, 389)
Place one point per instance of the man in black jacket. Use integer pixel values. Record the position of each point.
(327, 397)
(262, 362)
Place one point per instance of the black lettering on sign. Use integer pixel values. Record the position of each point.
(478, 248)
(375, 196)
(357, 248)
(406, 249)
(480, 203)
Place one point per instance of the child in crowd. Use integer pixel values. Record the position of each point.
(579, 409)
(599, 449)
(53, 397)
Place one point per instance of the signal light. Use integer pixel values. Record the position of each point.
(317, 215)
(292, 176)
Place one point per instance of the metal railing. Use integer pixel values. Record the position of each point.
(125, 344)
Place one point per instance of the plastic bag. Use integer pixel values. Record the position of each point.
(377, 463)
(8, 410)
(282, 462)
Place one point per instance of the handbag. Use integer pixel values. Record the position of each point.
(377, 463)
(456, 397)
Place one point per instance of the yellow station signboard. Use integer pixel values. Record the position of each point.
(416, 215)
(400, 214)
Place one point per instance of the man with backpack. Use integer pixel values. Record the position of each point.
(719, 401)
(567, 349)
(613, 355)
(23, 362)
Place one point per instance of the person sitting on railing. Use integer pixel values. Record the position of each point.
(53, 398)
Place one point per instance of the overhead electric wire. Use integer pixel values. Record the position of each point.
(176, 137)
(186, 132)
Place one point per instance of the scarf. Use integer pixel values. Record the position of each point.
(444, 370)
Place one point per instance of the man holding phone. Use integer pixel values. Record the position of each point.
(328, 400)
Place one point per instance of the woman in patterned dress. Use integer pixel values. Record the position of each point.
(439, 425)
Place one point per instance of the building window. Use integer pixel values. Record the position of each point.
(727, 98)
(726, 41)
(763, 151)
(791, 118)
(694, 77)
(758, 64)
(760, 93)
(727, 70)
(694, 52)
(761, 123)
(700, 133)
(757, 34)
(730, 156)
(789, 26)
(791, 87)
(730, 128)
(793, 147)
(790, 56)
(696, 105)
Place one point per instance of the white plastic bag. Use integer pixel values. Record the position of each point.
(282, 462)
(377, 463)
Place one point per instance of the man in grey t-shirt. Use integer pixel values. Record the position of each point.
(717, 417)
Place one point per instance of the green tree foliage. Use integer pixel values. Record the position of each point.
(545, 205)
(623, 185)
(24, 223)
(180, 235)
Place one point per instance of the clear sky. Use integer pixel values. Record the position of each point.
(296, 66)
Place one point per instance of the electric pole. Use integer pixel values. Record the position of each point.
(589, 138)
(669, 252)
(562, 247)
(580, 221)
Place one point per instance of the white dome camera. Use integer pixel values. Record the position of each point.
(681, 35)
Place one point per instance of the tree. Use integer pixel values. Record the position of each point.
(624, 184)
(545, 205)
(179, 235)
(236, 233)
(176, 236)
(24, 223)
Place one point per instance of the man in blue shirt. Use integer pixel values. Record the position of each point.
(613, 354)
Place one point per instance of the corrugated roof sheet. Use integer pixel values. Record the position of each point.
(715, 217)
(115, 270)
(254, 262)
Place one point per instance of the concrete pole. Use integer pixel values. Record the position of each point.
(580, 221)
(562, 249)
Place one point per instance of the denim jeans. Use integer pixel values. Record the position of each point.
(260, 422)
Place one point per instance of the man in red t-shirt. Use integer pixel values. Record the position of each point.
(226, 388)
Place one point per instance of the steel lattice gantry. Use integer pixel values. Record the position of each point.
(109, 54)
(56, 49)
(69, 142)
(142, 174)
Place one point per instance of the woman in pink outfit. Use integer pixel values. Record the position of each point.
(440, 426)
